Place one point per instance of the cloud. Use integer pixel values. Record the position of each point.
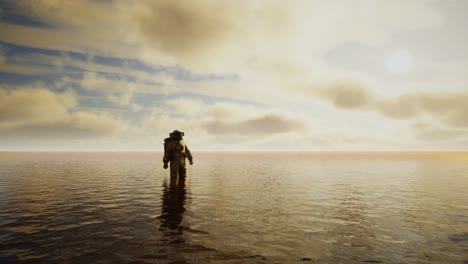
(449, 108)
(188, 28)
(118, 91)
(347, 94)
(2, 55)
(94, 27)
(185, 106)
(210, 34)
(222, 125)
(57, 39)
(270, 47)
(452, 107)
(428, 132)
(210, 28)
(403, 107)
(64, 13)
(20, 69)
(74, 126)
(67, 64)
(24, 105)
(459, 118)
(263, 125)
(36, 114)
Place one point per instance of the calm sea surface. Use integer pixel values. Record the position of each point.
(234, 208)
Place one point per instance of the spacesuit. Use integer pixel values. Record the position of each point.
(175, 152)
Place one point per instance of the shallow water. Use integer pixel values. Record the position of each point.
(234, 208)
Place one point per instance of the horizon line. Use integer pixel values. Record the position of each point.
(217, 151)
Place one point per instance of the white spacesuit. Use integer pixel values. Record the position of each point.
(175, 152)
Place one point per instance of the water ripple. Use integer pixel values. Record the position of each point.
(233, 208)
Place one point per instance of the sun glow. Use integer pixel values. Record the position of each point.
(399, 62)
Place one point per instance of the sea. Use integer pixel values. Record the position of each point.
(234, 207)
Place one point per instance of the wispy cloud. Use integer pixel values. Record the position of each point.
(262, 125)
(35, 114)
(448, 108)
(234, 75)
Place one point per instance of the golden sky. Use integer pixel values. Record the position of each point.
(234, 75)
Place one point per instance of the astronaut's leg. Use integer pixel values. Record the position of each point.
(174, 168)
(182, 168)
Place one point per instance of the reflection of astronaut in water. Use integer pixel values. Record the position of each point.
(175, 152)
(172, 211)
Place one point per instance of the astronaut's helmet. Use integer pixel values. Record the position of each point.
(176, 134)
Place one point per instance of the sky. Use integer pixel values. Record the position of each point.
(315, 75)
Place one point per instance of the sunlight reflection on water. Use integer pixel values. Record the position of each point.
(234, 208)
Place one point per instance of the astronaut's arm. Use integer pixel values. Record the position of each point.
(166, 155)
(188, 153)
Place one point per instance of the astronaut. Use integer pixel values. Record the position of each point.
(175, 152)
